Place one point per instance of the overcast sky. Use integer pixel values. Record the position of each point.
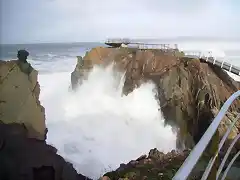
(30, 21)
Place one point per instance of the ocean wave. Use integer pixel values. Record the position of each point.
(66, 64)
(90, 126)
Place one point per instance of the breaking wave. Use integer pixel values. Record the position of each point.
(96, 127)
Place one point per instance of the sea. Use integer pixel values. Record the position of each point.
(96, 128)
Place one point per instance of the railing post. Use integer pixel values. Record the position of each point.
(214, 152)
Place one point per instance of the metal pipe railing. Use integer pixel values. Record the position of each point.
(198, 150)
(212, 160)
(230, 165)
(227, 153)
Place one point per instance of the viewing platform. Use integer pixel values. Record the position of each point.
(117, 42)
(209, 58)
(138, 45)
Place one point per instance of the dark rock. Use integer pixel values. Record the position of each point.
(141, 157)
(156, 165)
(22, 158)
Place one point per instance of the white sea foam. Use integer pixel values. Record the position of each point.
(96, 127)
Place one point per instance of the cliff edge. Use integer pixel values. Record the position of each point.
(191, 91)
(19, 100)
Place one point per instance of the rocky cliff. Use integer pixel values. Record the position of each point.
(191, 92)
(24, 153)
(19, 102)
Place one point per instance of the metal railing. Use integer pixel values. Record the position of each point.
(140, 45)
(119, 40)
(210, 59)
(198, 150)
(206, 56)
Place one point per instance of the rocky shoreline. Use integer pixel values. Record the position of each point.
(191, 93)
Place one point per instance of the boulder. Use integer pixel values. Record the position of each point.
(191, 91)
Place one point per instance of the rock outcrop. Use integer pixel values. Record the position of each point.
(191, 92)
(19, 98)
(24, 154)
(157, 165)
(24, 158)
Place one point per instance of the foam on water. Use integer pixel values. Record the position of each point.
(96, 127)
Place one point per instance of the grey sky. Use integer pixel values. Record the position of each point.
(27, 21)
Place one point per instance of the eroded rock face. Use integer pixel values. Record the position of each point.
(191, 92)
(19, 98)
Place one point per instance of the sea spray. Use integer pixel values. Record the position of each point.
(97, 128)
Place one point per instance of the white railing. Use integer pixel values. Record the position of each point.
(198, 150)
(119, 41)
(207, 56)
(140, 45)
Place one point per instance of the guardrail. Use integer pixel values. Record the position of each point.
(206, 56)
(210, 59)
(119, 41)
(140, 45)
(198, 150)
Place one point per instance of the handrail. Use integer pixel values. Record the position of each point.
(190, 54)
(198, 150)
(230, 165)
(212, 160)
(227, 154)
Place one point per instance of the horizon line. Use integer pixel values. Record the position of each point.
(182, 38)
